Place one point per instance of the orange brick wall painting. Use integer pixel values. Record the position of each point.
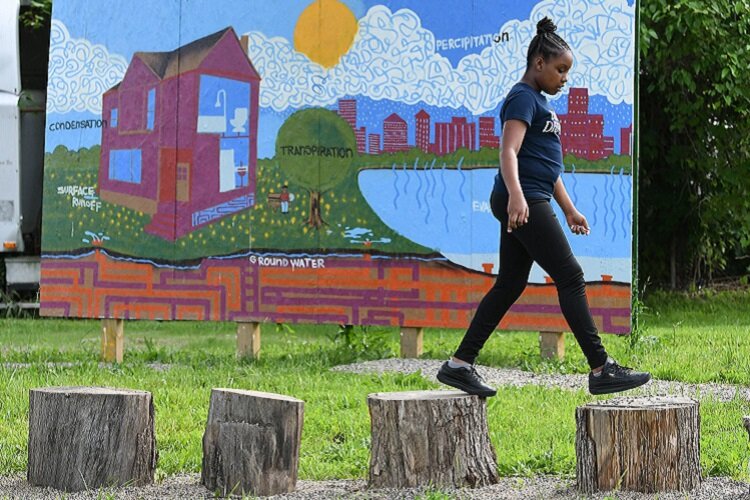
(323, 161)
(347, 290)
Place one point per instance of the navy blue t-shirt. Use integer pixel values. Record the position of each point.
(540, 160)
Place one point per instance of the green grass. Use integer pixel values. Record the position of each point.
(702, 339)
(343, 207)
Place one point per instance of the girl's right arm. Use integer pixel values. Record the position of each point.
(518, 210)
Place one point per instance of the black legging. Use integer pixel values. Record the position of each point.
(542, 240)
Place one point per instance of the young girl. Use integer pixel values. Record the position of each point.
(530, 168)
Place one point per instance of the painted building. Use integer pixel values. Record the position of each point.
(422, 137)
(360, 134)
(395, 134)
(348, 111)
(374, 144)
(582, 133)
(487, 136)
(181, 145)
(626, 137)
(454, 135)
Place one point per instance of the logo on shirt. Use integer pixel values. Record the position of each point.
(552, 125)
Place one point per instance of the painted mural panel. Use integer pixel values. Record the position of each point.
(319, 160)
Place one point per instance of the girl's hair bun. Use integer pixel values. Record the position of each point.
(545, 26)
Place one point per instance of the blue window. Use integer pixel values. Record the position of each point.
(125, 165)
(151, 116)
(113, 118)
(224, 107)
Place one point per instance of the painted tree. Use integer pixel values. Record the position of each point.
(315, 148)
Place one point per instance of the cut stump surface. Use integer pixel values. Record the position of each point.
(649, 444)
(437, 438)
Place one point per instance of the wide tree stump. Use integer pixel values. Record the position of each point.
(437, 438)
(88, 437)
(640, 444)
(251, 444)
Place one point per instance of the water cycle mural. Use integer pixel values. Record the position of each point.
(318, 160)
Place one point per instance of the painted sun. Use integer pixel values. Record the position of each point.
(325, 31)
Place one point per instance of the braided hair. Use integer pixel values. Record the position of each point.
(546, 43)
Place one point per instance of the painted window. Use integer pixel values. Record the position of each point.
(224, 110)
(151, 112)
(224, 107)
(233, 163)
(113, 118)
(125, 165)
(182, 172)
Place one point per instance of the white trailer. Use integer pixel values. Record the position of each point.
(21, 158)
(10, 127)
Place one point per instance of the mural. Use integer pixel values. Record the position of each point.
(318, 160)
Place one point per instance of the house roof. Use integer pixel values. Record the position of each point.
(422, 114)
(186, 58)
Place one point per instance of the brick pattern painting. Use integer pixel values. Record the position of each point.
(359, 290)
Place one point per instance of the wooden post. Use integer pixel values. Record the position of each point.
(638, 444)
(411, 342)
(248, 340)
(84, 438)
(113, 340)
(552, 345)
(436, 438)
(251, 443)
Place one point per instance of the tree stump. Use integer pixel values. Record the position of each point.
(88, 437)
(251, 444)
(639, 444)
(438, 438)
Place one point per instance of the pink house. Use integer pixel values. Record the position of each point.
(182, 135)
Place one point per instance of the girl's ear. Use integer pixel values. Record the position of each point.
(538, 63)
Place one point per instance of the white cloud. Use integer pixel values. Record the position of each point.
(394, 57)
(79, 72)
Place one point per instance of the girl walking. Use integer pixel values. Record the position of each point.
(530, 176)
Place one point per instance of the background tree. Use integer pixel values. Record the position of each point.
(298, 150)
(695, 140)
(37, 14)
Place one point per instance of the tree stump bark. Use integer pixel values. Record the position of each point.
(438, 438)
(251, 444)
(88, 437)
(639, 444)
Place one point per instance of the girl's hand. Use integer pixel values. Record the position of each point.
(518, 212)
(577, 222)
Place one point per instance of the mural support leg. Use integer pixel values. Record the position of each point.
(113, 340)
(248, 340)
(552, 345)
(411, 342)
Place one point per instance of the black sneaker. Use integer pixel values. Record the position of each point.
(466, 379)
(616, 378)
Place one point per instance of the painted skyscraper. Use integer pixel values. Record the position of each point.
(582, 133)
(395, 133)
(423, 130)
(487, 137)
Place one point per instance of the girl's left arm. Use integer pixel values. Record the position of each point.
(575, 219)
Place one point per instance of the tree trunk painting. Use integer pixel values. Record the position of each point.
(316, 216)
